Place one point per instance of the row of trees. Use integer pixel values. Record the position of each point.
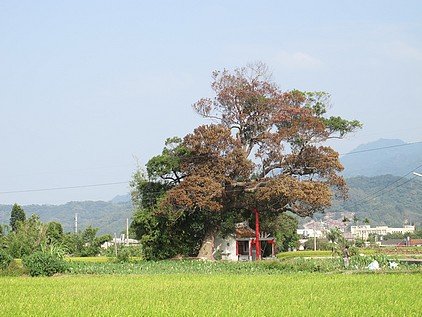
(263, 150)
(28, 235)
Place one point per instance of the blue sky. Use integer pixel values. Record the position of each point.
(88, 88)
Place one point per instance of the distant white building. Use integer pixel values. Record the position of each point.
(310, 233)
(363, 232)
(119, 241)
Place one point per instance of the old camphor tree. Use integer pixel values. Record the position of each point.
(264, 149)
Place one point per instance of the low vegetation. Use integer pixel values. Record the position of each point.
(304, 254)
(359, 264)
(44, 264)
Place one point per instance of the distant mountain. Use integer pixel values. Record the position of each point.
(396, 158)
(122, 199)
(109, 217)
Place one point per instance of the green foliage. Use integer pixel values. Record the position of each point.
(54, 249)
(359, 243)
(387, 207)
(146, 194)
(73, 243)
(123, 256)
(397, 235)
(133, 251)
(362, 261)
(317, 262)
(163, 236)
(84, 244)
(163, 233)
(103, 238)
(310, 265)
(322, 244)
(166, 267)
(5, 259)
(284, 228)
(3, 238)
(17, 215)
(27, 238)
(14, 269)
(166, 167)
(316, 101)
(416, 235)
(336, 240)
(334, 235)
(341, 125)
(304, 254)
(54, 232)
(44, 264)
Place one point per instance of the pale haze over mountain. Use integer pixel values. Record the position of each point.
(395, 157)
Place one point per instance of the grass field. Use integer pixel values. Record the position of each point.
(215, 295)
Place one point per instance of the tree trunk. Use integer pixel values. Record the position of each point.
(206, 252)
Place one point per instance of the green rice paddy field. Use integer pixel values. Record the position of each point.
(296, 294)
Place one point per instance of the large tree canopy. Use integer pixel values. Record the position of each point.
(264, 149)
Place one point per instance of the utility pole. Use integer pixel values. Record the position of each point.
(115, 244)
(76, 223)
(127, 231)
(257, 236)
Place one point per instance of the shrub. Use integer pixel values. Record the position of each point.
(5, 259)
(123, 256)
(362, 261)
(322, 244)
(14, 269)
(134, 250)
(44, 264)
(54, 249)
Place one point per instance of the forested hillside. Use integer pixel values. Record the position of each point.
(109, 217)
(387, 199)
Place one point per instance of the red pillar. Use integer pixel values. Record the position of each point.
(257, 235)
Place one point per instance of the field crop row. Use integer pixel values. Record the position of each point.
(289, 265)
(214, 295)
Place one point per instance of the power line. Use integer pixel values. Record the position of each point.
(75, 170)
(126, 182)
(371, 196)
(62, 188)
(380, 148)
(382, 193)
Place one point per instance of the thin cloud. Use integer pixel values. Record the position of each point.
(297, 60)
